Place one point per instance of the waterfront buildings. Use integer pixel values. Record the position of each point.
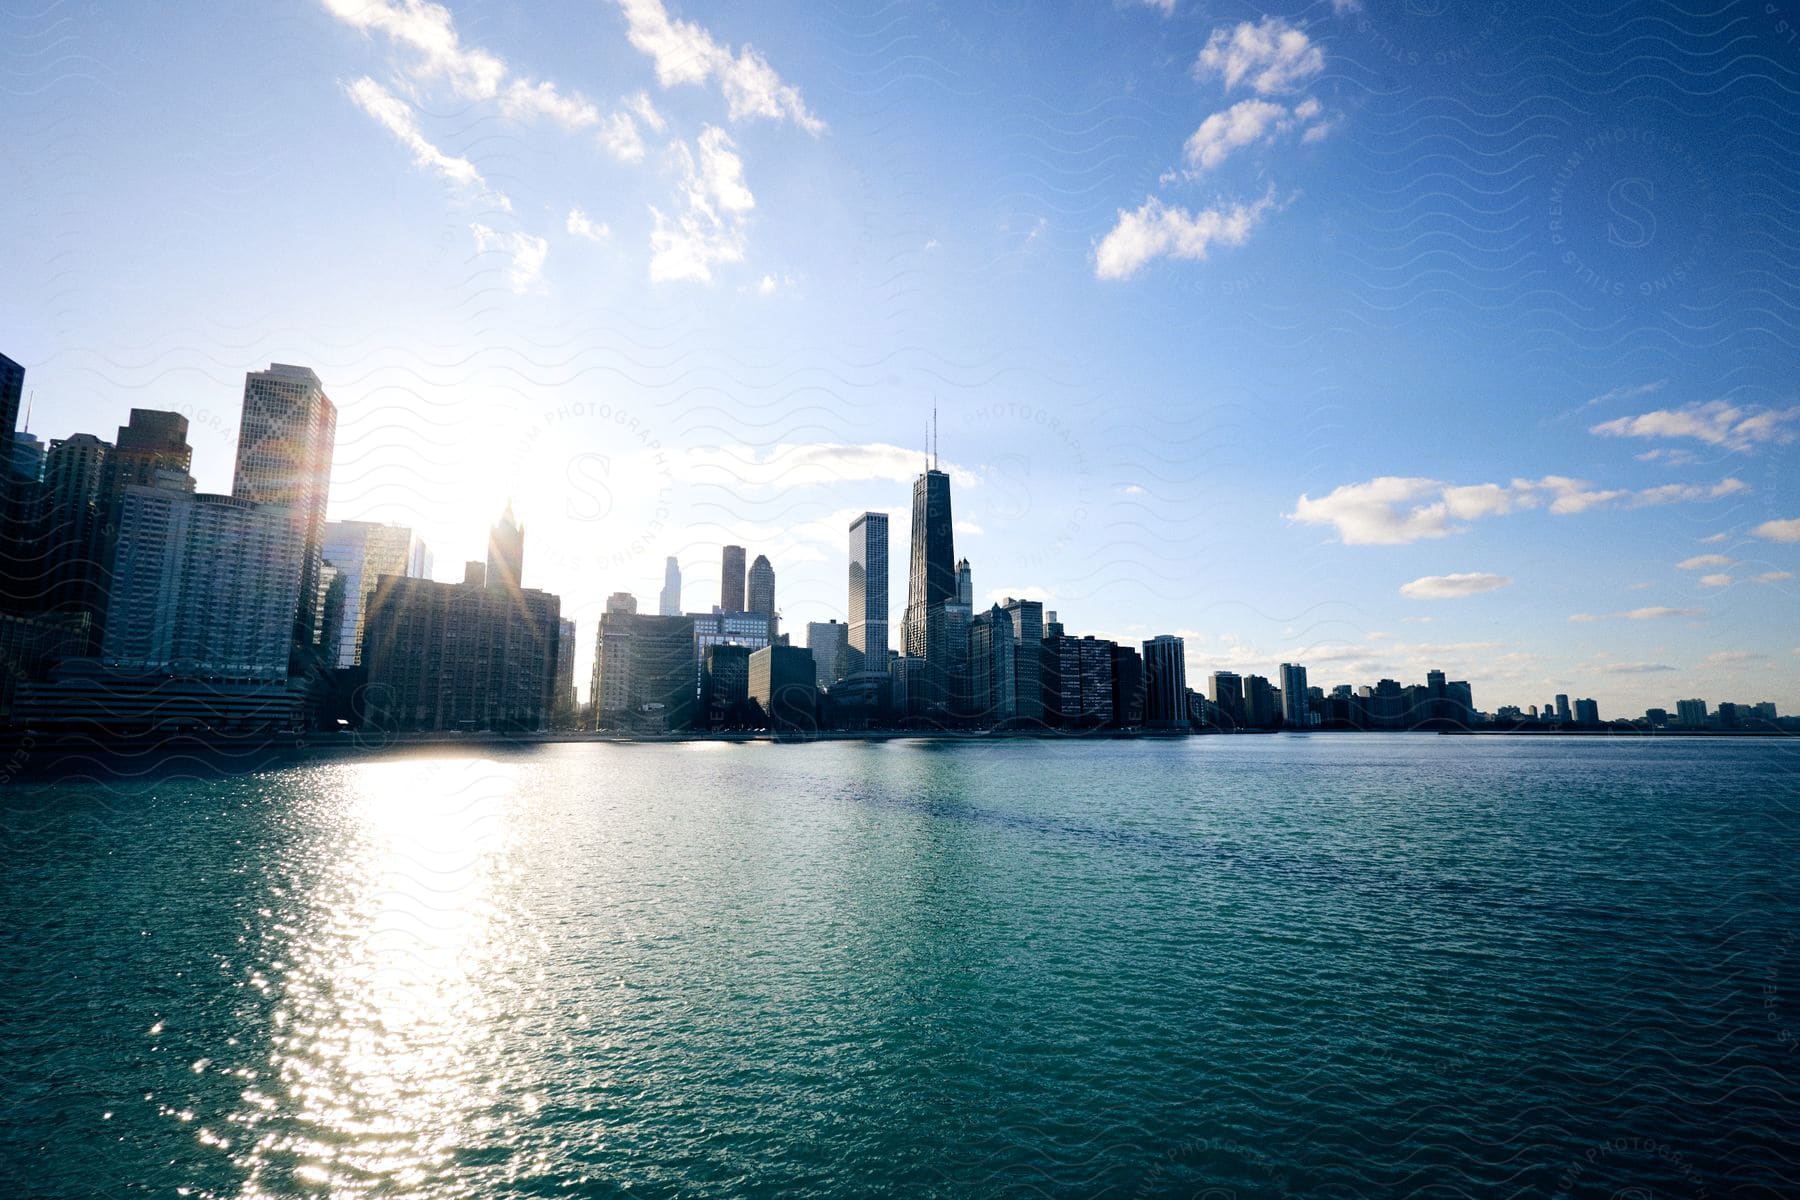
(993, 668)
(931, 582)
(1027, 617)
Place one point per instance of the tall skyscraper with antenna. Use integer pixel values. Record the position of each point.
(931, 582)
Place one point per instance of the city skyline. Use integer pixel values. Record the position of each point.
(1371, 423)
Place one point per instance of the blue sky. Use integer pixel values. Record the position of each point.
(1377, 337)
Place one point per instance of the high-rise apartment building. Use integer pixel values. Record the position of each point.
(731, 579)
(285, 439)
(868, 607)
(204, 587)
(1165, 681)
(1296, 712)
(644, 674)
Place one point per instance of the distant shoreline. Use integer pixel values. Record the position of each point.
(29, 754)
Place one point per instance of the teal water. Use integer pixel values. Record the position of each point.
(1300, 966)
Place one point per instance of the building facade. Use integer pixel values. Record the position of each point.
(1165, 682)
(286, 435)
(731, 579)
(868, 608)
(362, 552)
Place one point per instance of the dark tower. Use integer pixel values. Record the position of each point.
(731, 580)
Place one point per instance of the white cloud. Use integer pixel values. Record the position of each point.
(1774, 576)
(619, 134)
(1243, 124)
(1395, 510)
(1633, 668)
(1165, 7)
(1715, 581)
(1627, 392)
(1657, 613)
(1713, 539)
(968, 527)
(581, 225)
(710, 230)
(1029, 592)
(1272, 57)
(1722, 658)
(1340, 7)
(527, 253)
(1156, 229)
(1453, 587)
(397, 117)
(639, 102)
(427, 30)
(1717, 423)
(1702, 562)
(1779, 531)
(684, 52)
(524, 100)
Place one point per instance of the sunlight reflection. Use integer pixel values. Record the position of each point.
(387, 986)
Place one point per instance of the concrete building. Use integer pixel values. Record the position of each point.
(1587, 712)
(565, 710)
(668, 602)
(725, 687)
(1128, 687)
(286, 435)
(1027, 617)
(1260, 711)
(1691, 714)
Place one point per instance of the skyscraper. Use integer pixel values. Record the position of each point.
(869, 590)
(668, 604)
(993, 667)
(12, 390)
(364, 551)
(965, 583)
(74, 476)
(1294, 710)
(762, 591)
(506, 553)
(285, 440)
(930, 583)
(1562, 708)
(1165, 681)
(731, 579)
(1027, 618)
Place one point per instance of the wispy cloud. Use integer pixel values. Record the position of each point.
(581, 225)
(397, 117)
(685, 53)
(428, 32)
(1634, 668)
(1156, 229)
(1453, 587)
(1394, 510)
(1654, 613)
(710, 228)
(808, 464)
(1702, 562)
(1717, 424)
(526, 254)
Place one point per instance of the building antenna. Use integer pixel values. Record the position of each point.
(30, 397)
(934, 445)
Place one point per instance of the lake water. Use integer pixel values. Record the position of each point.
(1252, 966)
